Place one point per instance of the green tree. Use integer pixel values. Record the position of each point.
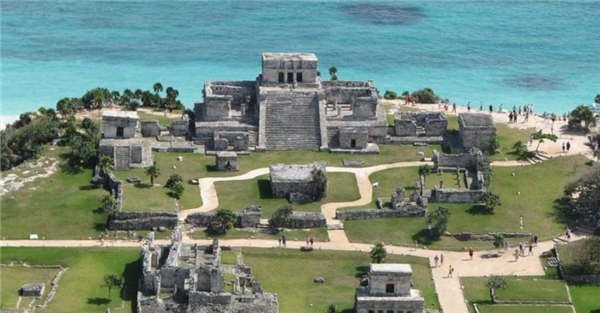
(105, 162)
(332, 309)
(281, 216)
(437, 221)
(176, 190)
(112, 281)
(390, 95)
(173, 179)
(490, 200)
(541, 137)
(405, 93)
(332, 70)
(597, 98)
(426, 95)
(320, 178)
(499, 241)
(424, 170)
(153, 171)
(158, 87)
(96, 98)
(83, 152)
(582, 115)
(496, 282)
(487, 171)
(378, 253)
(494, 146)
(584, 193)
(109, 204)
(222, 221)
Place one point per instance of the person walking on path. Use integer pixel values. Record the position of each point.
(450, 271)
(469, 106)
(530, 249)
(506, 246)
(563, 147)
(481, 106)
(471, 253)
(535, 240)
(568, 234)
(441, 259)
(491, 108)
(283, 240)
(516, 255)
(280, 241)
(436, 259)
(312, 241)
(568, 146)
(453, 107)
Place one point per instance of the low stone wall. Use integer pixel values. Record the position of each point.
(412, 210)
(53, 283)
(106, 179)
(302, 220)
(527, 302)
(142, 221)
(465, 236)
(179, 128)
(150, 128)
(456, 195)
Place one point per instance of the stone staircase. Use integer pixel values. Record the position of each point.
(292, 121)
(122, 158)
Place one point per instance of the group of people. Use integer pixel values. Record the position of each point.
(310, 240)
(438, 259)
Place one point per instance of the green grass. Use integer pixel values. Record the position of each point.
(520, 289)
(162, 120)
(290, 274)
(540, 185)
(586, 298)
(13, 278)
(508, 136)
(524, 309)
(320, 234)
(236, 195)
(80, 289)
(64, 205)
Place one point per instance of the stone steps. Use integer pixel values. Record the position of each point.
(122, 158)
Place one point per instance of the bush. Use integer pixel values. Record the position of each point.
(390, 95)
(281, 217)
(173, 179)
(221, 221)
(176, 190)
(425, 95)
(581, 118)
(438, 221)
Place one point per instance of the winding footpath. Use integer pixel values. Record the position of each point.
(449, 289)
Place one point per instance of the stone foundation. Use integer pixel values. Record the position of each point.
(142, 221)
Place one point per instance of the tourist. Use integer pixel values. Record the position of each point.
(516, 255)
(535, 239)
(307, 239)
(469, 106)
(454, 107)
(471, 253)
(283, 240)
(416, 244)
(506, 246)
(515, 117)
(441, 259)
(501, 108)
(436, 259)
(480, 106)
(520, 110)
(312, 241)
(280, 241)
(450, 271)
(491, 108)
(568, 146)
(530, 249)
(526, 117)
(510, 117)
(568, 234)
(563, 147)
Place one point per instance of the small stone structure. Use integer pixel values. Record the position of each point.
(353, 138)
(150, 128)
(189, 278)
(389, 290)
(298, 180)
(106, 179)
(32, 290)
(305, 220)
(470, 164)
(416, 206)
(226, 161)
(476, 130)
(180, 127)
(416, 124)
(119, 141)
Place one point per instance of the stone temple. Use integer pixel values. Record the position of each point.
(288, 107)
(389, 291)
(185, 278)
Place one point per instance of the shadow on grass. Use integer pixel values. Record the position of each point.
(100, 227)
(480, 210)
(264, 188)
(131, 274)
(66, 167)
(563, 211)
(98, 301)
(211, 168)
(89, 187)
(142, 185)
(361, 271)
(424, 237)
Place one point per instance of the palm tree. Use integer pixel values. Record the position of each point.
(153, 171)
(157, 88)
(138, 94)
(424, 170)
(109, 204)
(378, 253)
(541, 137)
(333, 73)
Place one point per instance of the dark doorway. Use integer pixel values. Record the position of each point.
(228, 165)
(299, 77)
(353, 143)
(120, 131)
(290, 78)
(281, 78)
(389, 288)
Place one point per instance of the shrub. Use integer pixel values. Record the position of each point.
(176, 190)
(438, 221)
(173, 179)
(581, 118)
(281, 217)
(378, 253)
(425, 95)
(221, 221)
(390, 95)
(490, 200)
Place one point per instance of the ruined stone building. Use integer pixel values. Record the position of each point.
(390, 291)
(122, 142)
(469, 167)
(298, 183)
(425, 127)
(476, 130)
(288, 107)
(184, 278)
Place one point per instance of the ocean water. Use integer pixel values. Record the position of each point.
(511, 52)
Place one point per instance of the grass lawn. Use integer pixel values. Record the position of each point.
(524, 309)
(80, 289)
(508, 136)
(586, 298)
(64, 205)
(520, 289)
(13, 278)
(539, 185)
(290, 274)
(320, 234)
(162, 120)
(236, 195)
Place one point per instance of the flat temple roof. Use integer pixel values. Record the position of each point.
(293, 172)
(391, 268)
(476, 119)
(284, 56)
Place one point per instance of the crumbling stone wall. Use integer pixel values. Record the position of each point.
(179, 128)
(409, 123)
(407, 210)
(471, 161)
(142, 221)
(150, 128)
(456, 195)
(302, 220)
(248, 217)
(106, 179)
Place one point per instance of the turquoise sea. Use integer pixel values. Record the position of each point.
(511, 52)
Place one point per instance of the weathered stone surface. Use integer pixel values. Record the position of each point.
(249, 217)
(226, 161)
(288, 179)
(301, 198)
(141, 221)
(302, 220)
(150, 128)
(32, 290)
(407, 210)
(354, 137)
(119, 124)
(476, 130)
(179, 127)
(413, 124)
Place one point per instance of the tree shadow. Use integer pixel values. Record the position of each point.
(143, 185)
(361, 271)
(99, 210)
(211, 168)
(100, 227)
(264, 188)
(131, 274)
(563, 211)
(480, 210)
(88, 187)
(424, 237)
(68, 168)
(99, 301)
